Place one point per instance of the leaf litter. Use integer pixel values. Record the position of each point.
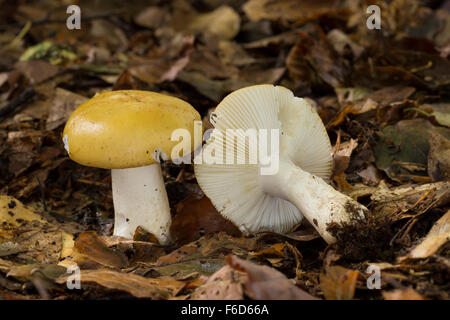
(383, 96)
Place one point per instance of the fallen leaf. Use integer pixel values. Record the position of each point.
(370, 174)
(313, 61)
(404, 144)
(63, 104)
(359, 100)
(24, 148)
(154, 288)
(37, 70)
(166, 64)
(341, 159)
(403, 294)
(24, 273)
(341, 42)
(151, 17)
(439, 157)
(338, 283)
(265, 283)
(290, 10)
(436, 237)
(441, 111)
(12, 212)
(224, 284)
(89, 247)
(222, 23)
(341, 155)
(196, 217)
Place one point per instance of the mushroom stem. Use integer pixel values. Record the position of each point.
(319, 202)
(140, 199)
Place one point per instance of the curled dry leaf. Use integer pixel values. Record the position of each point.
(92, 251)
(341, 159)
(265, 283)
(341, 155)
(154, 288)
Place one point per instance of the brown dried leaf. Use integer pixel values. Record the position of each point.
(436, 237)
(36, 70)
(370, 101)
(26, 235)
(196, 217)
(158, 70)
(62, 105)
(215, 245)
(154, 288)
(24, 147)
(313, 61)
(89, 247)
(338, 283)
(224, 284)
(290, 10)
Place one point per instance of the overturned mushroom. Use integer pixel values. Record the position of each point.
(128, 131)
(258, 202)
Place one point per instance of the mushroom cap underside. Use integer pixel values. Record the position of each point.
(235, 189)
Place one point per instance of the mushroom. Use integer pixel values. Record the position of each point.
(255, 201)
(128, 131)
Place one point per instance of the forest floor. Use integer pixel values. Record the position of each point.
(383, 95)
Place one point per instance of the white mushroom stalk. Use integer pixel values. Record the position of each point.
(277, 202)
(140, 199)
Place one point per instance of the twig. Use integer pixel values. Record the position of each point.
(27, 94)
(20, 36)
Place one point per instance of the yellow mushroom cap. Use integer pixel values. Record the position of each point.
(122, 129)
